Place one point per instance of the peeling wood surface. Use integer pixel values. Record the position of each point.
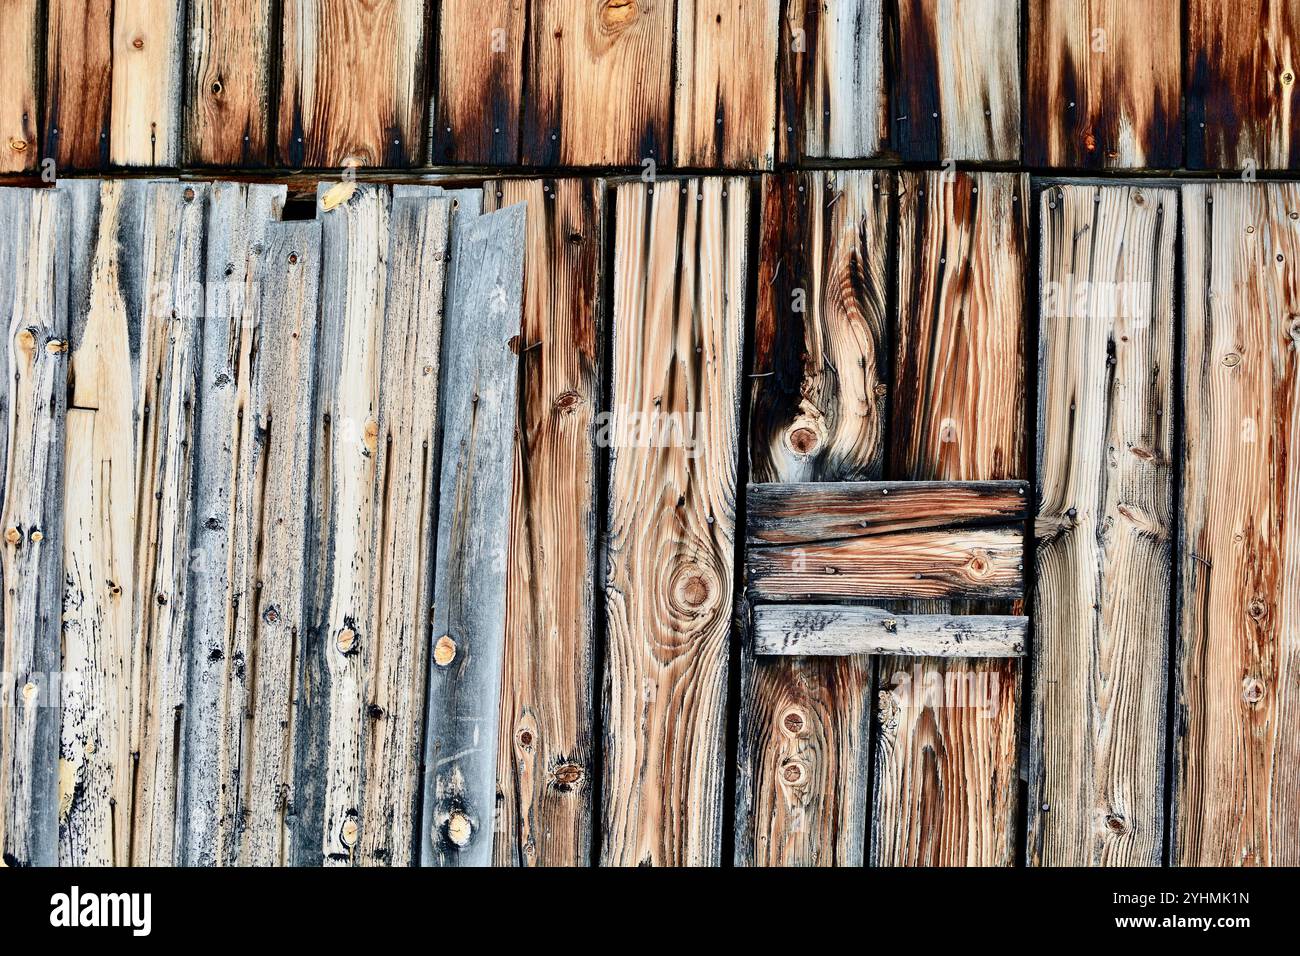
(1104, 84)
(148, 43)
(227, 82)
(836, 630)
(19, 85)
(1103, 526)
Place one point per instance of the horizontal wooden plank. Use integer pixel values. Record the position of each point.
(787, 513)
(821, 630)
(973, 563)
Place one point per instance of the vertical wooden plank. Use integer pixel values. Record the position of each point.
(599, 82)
(725, 101)
(545, 760)
(78, 83)
(1238, 743)
(1104, 84)
(820, 366)
(368, 113)
(957, 89)
(946, 765)
(34, 301)
(146, 82)
(679, 306)
(19, 84)
(832, 80)
(1242, 94)
(476, 105)
(227, 82)
(1101, 609)
(479, 405)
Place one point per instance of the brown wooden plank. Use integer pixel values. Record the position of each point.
(725, 101)
(545, 763)
(1238, 746)
(946, 775)
(78, 83)
(678, 323)
(956, 93)
(146, 82)
(1242, 94)
(599, 84)
(801, 791)
(1104, 583)
(836, 630)
(1104, 84)
(19, 85)
(227, 82)
(352, 83)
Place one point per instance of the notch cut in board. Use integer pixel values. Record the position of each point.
(886, 540)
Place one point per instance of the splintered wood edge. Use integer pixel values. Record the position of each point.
(822, 630)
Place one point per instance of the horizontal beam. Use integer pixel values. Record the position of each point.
(809, 630)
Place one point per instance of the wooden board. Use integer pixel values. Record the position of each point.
(956, 92)
(805, 724)
(369, 114)
(599, 84)
(945, 779)
(476, 104)
(724, 108)
(1104, 525)
(228, 82)
(34, 279)
(148, 37)
(78, 84)
(835, 630)
(19, 85)
(678, 325)
(545, 768)
(831, 80)
(1238, 742)
(1104, 84)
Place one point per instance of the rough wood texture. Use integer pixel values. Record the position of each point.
(946, 770)
(725, 107)
(832, 80)
(78, 83)
(1237, 752)
(956, 93)
(476, 105)
(1101, 610)
(837, 630)
(545, 773)
(479, 404)
(1105, 82)
(227, 82)
(805, 724)
(1243, 97)
(679, 306)
(599, 83)
(34, 279)
(19, 84)
(352, 83)
(146, 82)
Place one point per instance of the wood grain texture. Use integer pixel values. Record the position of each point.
(1237, 752)
(600, 85)
(837, 630)
(148, 38)
(545, 770)
(956, 93)
(227, 82)
(78, 84)
(831, 80)
(19, 84)
(369, 113)
(946, 770)
(805, 724)
(1103, 526)
(479, 407)
(1243, 97)
(477, 102)
(1104, 84)
(34, 279)
(679, 306)
(725, 102)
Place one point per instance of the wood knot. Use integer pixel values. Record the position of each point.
(1252, 690)
(793, 773)
(979, 565)
(616, 15)
(138, 43)
(459, 829)
(793, 721)
(1232, 360)
(348, 833)
(13, 535)
(567, 776)
(526, 739)
(346, 642)
(567, 400)
(444, 651)
(1256, 608)
(1115, 823)
(802, 440)
(18, 145)
(26, 340)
